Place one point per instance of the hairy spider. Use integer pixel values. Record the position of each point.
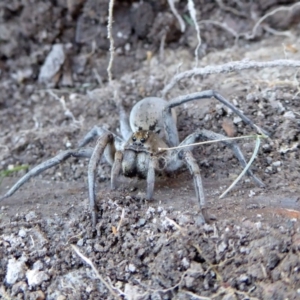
(152, 126)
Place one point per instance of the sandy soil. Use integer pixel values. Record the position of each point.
(158, 250)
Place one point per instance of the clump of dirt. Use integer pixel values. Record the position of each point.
(157, 249)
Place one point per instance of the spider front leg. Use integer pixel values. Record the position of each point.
(105, 145)
(151, 177)
(85, 152)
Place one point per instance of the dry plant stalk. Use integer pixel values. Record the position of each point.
(111, 39)
(89, 262)
(244, 170)
(177, 15)
(62, 101)
(281, 8)
(193, 15)
(230, 67)
(212, 141)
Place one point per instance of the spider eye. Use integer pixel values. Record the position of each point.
(134, 138)
(143, 140)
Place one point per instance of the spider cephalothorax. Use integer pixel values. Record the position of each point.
(152, 126)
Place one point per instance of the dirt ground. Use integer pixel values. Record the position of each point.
(147, 249)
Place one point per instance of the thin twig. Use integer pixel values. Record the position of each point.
(111, 39)
(222, 25)
(213, 141)
(88, 261)
(281, 8)
(229, 67)
(245, 169)
(192, 11)
(62, 101)
(177, 15)
(193, 295)
(230, 9)
(121, 220)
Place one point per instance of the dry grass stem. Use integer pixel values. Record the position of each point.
(175, 225)
(177, 15)
(222, 25)
(193, 15)
(286, 33)
(68, 113)
(213, 141)
(89, 262)
(230, 9)
(121, 220)
(195, 296)
(281, 8)
(245, 169)
(230, 67)
(111, 40)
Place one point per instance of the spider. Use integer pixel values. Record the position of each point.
(151, 125)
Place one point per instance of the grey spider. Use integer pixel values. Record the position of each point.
(152, 126)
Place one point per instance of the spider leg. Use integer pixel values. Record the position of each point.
(116, 169)
(150, 178)
(124, 124)
(205, 134)
(85, 152)
(97, 131)
(105, 140)
(170, 127)
(195, 171)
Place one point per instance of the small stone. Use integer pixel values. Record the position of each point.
(52, 64)
(276, 163)
(131, 268)
(150, 211)
(141, 222)
(38, 265)
(35, 277)
(22, 232)
(251, 193)
(243, 278)
(185, 262)
(68, 144)
(269, 170)
(237, 120)
(269, 160)
(222, 247)
(258, 225)
(38, 295)
(15, 270)
(251, 97)
(30, 216)
(273, 260)
(184, 219)
(245, 250)
(19, 287)
(80, 243)
(289, 115)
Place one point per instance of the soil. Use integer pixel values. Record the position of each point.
(141, 249)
